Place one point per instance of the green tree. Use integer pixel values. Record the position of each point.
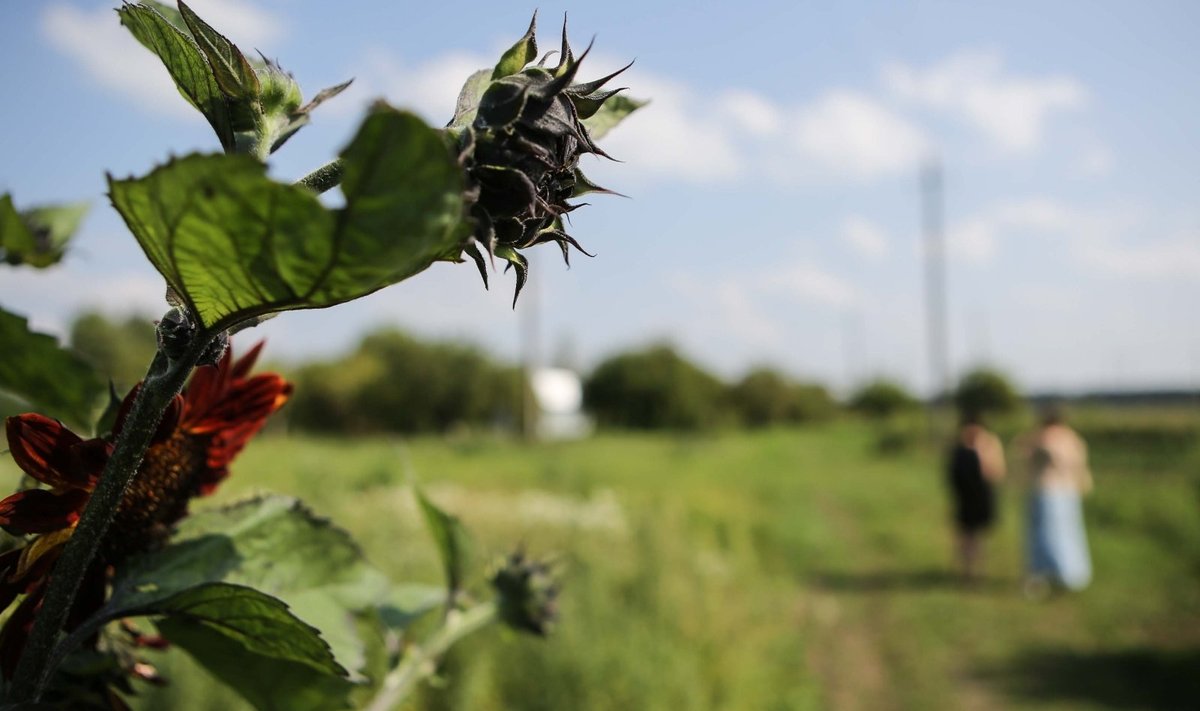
(394, 382)
(882, 398)
(766, 397)
(118, 349)
(654, 388)
(985, 390)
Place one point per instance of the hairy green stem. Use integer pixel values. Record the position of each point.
(418, 661)
(324, 178)
(163, 381)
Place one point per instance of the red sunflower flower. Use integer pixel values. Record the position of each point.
(202, 431)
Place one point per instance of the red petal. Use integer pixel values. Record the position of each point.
(42, 448)
(243, 365)
(245, 404)
(41, 511)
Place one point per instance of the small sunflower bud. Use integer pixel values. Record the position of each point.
(527, 592)
(175, 332)
(280, 94)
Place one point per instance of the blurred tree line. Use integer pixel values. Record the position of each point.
(393, 382)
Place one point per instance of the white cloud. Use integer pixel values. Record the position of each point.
(1012, 111)
(1160, 259)
(676, 136)
(751, 112)
(1108, 240)
(812, 284)
(248, 26)
(853, 135)
(1096, 161)
(53, 296)
(113, 58)
(685, 133)
(975, 239)
(866, 238)
(732, 305)
(430, 88)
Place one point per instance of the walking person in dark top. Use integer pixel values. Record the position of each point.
(975, 466)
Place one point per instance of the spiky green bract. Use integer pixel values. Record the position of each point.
(520, 141)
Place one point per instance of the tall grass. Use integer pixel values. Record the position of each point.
(786, 569)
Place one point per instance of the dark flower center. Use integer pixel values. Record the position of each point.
(158, 496)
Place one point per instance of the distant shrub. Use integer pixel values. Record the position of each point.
(881, 399)
(986, 391)
(396, 383)
(653, 389)
(118, 349)
(766, 397)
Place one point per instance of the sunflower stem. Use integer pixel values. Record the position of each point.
(418, 662)
(324, 178)
(164, 379)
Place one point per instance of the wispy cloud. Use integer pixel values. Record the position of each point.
(1170, 257)
(111, 57)
(865, 238)
(430, 88)
(1096, 161)
(975, 86)
(674, 137)
(852, 134)
(52, 296)
(976, 239)
(687, 133)
(812, 284)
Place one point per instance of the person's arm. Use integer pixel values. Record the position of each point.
(1083, 473)
(991, 457)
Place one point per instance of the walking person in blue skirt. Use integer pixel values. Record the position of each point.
(1056, 545)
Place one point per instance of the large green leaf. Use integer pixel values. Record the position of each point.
(250, 641)
(46, 377)
(614, 110)
(37, 236)
(236, 244)
(453, 542)
(276, 546)
(185, 63)
(272, 544)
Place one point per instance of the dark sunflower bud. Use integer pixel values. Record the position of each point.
(521, 153)
(527, 592)
(175, 332)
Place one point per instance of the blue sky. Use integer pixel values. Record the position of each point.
(773, 180)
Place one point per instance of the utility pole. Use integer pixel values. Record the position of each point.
(932, 208)
(529, 313)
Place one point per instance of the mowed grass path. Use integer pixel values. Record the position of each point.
(777, 570)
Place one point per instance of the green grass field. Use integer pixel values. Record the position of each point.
(776, 570)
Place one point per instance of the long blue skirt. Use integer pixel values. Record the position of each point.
(1057, 543)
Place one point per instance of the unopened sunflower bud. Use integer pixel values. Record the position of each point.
(279, 92)
(527, 592)
(175, 332)
(521, 155)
